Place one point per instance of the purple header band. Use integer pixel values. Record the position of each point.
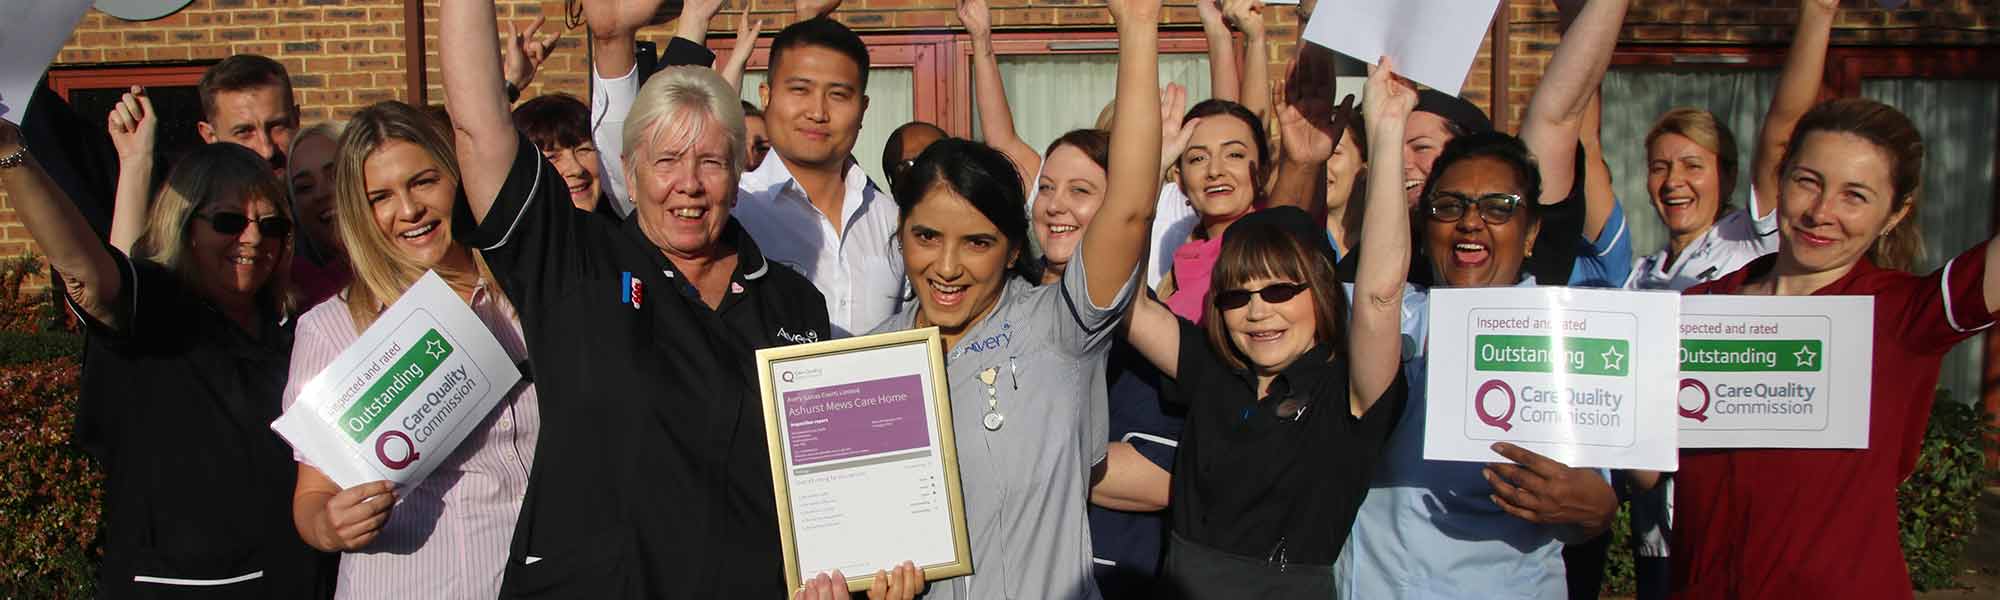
(856, 419)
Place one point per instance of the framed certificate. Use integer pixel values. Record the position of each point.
(862, 457)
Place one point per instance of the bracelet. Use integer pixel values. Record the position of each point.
(15, 159)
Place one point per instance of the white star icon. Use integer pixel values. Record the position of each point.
(1613, 359)
(1805, 356)
(434, 348)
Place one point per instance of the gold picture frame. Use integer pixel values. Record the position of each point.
(860, 364)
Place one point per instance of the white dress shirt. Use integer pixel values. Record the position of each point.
(857, 268)
(610, 101)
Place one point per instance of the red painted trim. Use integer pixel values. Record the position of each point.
(64, 79)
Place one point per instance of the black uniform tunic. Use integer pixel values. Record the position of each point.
(651, 477)
(177, 407)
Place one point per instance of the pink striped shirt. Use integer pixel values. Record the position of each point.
(448, 538)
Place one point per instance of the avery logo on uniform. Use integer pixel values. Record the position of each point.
(1775, 372)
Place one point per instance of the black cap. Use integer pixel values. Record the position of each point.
(1465, 115)
(1289, 220)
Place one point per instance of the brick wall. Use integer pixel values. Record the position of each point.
(346, 54)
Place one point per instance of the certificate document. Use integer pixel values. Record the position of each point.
(862, 457)
(399, 399)
(1776, 371)
(1582, 376)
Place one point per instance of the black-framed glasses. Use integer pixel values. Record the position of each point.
(233, 223)
(1272, 294)
(1450, 207)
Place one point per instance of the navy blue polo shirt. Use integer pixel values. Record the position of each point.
(651, 477)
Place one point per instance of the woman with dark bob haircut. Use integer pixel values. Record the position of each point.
(1026, 361)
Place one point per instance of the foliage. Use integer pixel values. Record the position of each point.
(1620, 573)
(1940, 501)
(51, 495)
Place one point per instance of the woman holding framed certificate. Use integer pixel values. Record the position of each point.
(1024, 361)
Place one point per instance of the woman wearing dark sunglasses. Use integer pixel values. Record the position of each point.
(188, 340)
(1289, 398)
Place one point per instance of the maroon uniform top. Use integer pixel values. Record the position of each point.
(1822, 524)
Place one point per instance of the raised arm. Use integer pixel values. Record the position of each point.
(1223, 82)
(695, 16)
(1598, 194)
(747, 30)
(132, 125)
(1116, 239)
(88, 270)
(1376, 336)
(996, 119)
(1248, 15)
(1555, 113)
(614, 29)
(468, 40)
(807, 9)
(1798, 89)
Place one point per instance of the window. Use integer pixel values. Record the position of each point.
(92, 92)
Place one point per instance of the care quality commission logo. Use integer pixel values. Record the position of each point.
(1563, 380)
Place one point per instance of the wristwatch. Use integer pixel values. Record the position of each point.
(14, 159)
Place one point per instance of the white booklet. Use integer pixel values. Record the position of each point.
(404, 395)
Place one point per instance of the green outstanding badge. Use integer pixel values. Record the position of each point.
(404, 394)
(1775, 372)
(1580, 376)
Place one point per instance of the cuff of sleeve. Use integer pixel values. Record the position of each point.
(1614, 230)
(682, 52)
(509, 207)
(1765, 225)
(1156, 448)
(1964, 290)
(128, 292)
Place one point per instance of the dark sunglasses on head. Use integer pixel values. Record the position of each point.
(1450, 207)
(1272, 294)
(233, 223)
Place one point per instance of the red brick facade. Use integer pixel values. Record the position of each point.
(346, 54)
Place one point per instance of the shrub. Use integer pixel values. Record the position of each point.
(1940, 501)
(51, 494)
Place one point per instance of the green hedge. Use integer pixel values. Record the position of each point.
(51, 495)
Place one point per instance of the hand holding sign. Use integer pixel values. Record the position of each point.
(354, 516)
(1435, 40)
(1540, 490)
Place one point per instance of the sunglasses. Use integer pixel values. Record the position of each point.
(1272, 294)
(1450, 207)
(232, 223)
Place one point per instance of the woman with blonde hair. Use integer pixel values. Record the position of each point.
(394, 186)
(188, 340)
(320, 267)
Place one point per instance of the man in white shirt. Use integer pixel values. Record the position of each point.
(813, 208)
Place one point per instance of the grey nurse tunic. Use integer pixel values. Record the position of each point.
(1027, 484)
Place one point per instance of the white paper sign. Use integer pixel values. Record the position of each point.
(1776, 371)
(34, 32)
(1581, 376)
(1432, 41)
(402, 397)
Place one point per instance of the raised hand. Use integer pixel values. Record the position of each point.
(1388, 97)
(1308, 134)
(977, 18)
(1137, 11)
(610, 18)
(356, 515)
(1247, 16)
(1174, 134)
(132, 124)
(1538, 489)
(807, 9)
(1210, 11)
(526, 51)
(747, 30)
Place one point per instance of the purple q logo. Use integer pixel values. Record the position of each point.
(1699, 413)
(1479, 405)
(409, 450)
(787, 376)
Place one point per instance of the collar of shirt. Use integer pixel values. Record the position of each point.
(860, 191)
(1848, 284)
(750, 264)
(1303, 376)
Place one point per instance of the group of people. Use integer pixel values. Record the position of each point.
(1210, 338)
